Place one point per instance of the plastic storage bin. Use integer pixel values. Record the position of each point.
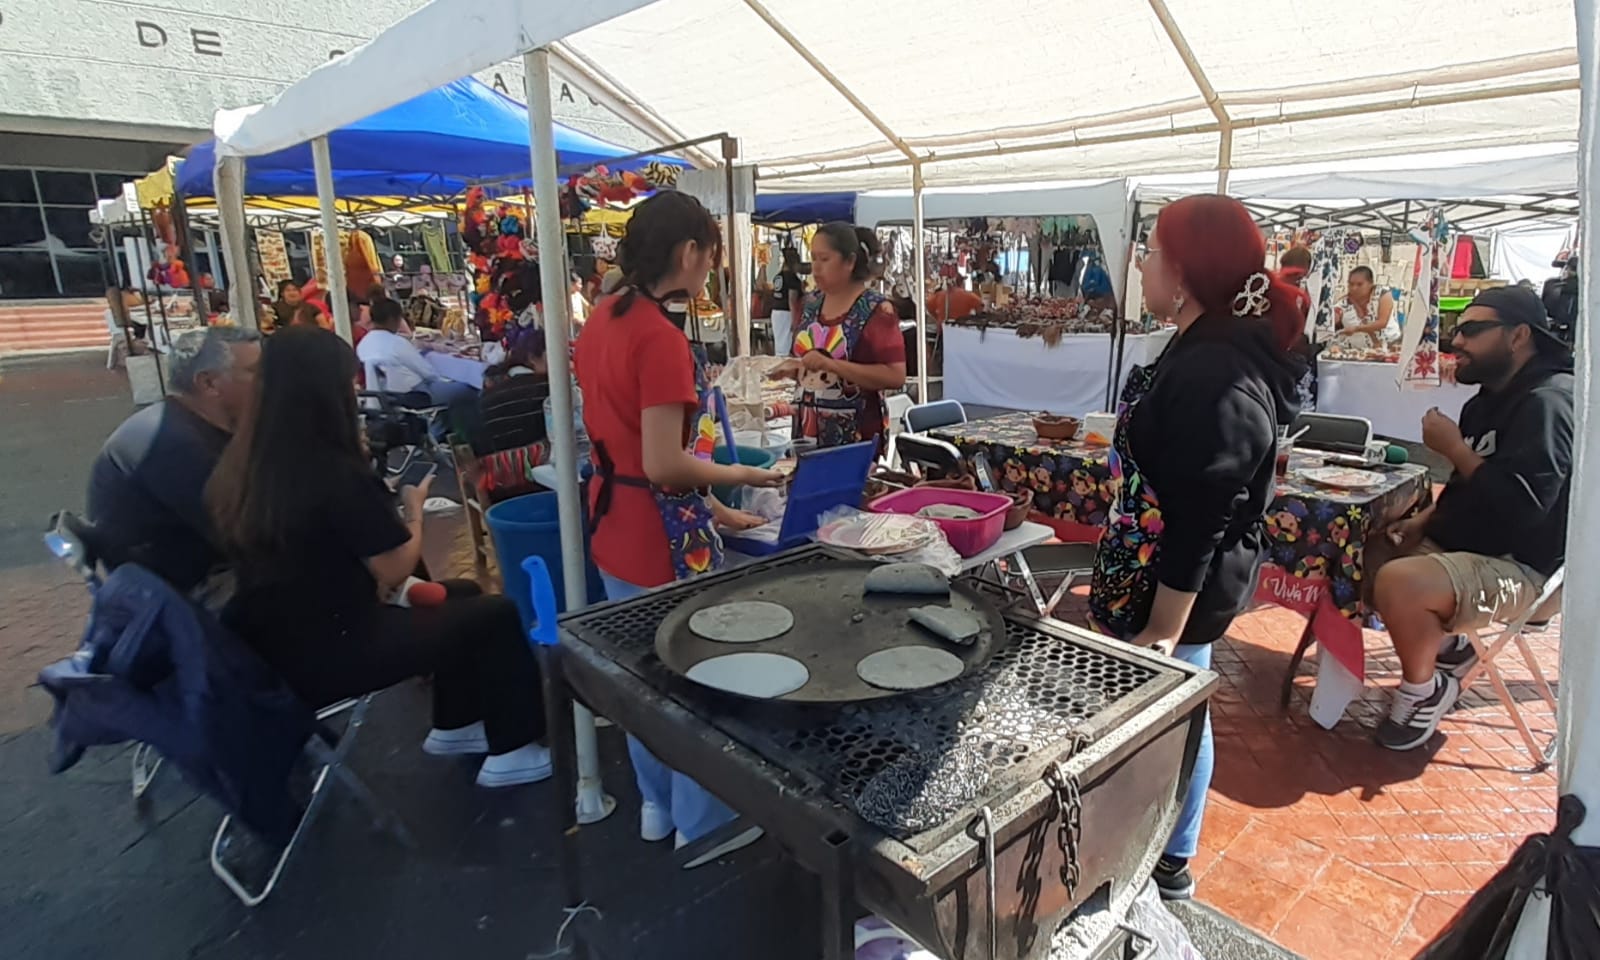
(967, 537)
(529, 526)
(750, 457)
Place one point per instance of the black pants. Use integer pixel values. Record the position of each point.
(472, 644)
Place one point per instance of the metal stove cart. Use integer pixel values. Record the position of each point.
(1083, 749)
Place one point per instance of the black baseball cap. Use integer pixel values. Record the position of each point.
(1519, 306)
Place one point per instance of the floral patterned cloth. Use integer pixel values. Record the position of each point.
(1313, 532)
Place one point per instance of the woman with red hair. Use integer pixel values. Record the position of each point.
(1193, 457)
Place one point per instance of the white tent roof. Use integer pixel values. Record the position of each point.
(841, 94)
(1539, 170)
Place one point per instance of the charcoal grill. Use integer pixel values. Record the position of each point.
(1088, 745)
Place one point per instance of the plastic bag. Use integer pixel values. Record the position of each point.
(1546, 865)
(875, 533)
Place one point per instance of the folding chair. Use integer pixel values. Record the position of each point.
(401, 421)
(1070, 560)
(71, 539)
(932, 459)
(329, 752)
(931, 416)
(1488, 644)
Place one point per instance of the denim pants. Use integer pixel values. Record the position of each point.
(1185, 839)
(694, 811)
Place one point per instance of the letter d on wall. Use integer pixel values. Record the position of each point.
(150, 35)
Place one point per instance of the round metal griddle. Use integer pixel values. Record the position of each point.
(824, 600)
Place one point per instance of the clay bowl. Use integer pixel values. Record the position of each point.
(1021, 503)
(1051, 427)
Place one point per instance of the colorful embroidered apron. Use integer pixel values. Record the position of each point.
(692, 538)
(1124, 583)
(826, 408)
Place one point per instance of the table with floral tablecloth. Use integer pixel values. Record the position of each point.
(1316, 535)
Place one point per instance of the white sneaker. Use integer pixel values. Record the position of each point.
(461, 741)
(735, 842)
(655, 823)
(529, 764)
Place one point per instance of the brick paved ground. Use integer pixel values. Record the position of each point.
(1335, 847)
(55, 411)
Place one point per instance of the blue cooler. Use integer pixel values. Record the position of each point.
(529, 526)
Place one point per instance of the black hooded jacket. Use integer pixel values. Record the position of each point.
(1205, 436)
(1515, 504)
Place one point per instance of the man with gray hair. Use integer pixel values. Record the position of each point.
(146, 488)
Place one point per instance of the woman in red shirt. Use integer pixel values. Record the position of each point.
(847, 347)
(654, 520)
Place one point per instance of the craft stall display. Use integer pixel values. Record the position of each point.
(1395, 384)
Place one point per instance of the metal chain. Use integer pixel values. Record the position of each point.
(1069, 825)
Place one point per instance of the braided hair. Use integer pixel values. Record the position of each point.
(657, 231)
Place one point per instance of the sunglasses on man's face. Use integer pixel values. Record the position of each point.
(1472, 328)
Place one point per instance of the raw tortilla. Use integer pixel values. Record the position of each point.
(908, 578)
(948, 511)
(759, 675)
(909, 668)
(947, 623)
(743, 621)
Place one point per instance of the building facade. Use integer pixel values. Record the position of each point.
(96, 92)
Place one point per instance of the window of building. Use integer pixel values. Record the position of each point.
(46, 241)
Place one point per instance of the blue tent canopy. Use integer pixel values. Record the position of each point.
(436, 144)
(805, 207)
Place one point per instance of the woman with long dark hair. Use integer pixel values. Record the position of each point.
(847, 343)
(1193, 458)
(654, 518)
(318, 546)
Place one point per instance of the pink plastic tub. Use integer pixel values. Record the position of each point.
(967, 537)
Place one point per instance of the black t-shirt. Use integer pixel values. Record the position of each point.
(512, 413)
(318, 586)
(147, 493)
(787, 282)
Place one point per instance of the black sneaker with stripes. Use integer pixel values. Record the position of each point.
(1412, 720)
(1457, 657)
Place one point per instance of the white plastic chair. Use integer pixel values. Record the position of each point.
(897, 407)
(1488, 644)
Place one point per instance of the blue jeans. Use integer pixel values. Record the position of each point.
(695, 812)
(1185, 841)
(449, 394)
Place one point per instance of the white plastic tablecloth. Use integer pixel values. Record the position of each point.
(996, 368)
(461, 369)
(1364, 389)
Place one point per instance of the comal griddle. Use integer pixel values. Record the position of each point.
(1088, 743)
(836, 624)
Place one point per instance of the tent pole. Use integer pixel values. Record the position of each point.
(229, 178)
(735, 305)
(1578, 715)
(919, 269)
(1224, 156)
(592, 803)
(332, 255)
(218, 274)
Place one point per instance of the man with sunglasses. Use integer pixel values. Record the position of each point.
(1482, 553)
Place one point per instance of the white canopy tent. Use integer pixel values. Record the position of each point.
(969, 93)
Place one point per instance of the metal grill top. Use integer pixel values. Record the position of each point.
(1046, 689)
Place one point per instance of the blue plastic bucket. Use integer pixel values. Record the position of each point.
(750, 457)
(529, 526)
